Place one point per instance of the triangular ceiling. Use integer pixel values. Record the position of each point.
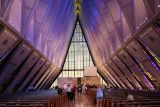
(108, 24)
(48, 23)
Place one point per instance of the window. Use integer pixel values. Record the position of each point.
(78, 56)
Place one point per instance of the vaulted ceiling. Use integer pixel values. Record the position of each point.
(107, 24)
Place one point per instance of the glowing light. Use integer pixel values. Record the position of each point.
(152, 61)
(157, 60)
(144, 21)
(77, 6)
(146, 18)
(77, 12)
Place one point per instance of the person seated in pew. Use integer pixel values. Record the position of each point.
(130, 97)
(30, 88)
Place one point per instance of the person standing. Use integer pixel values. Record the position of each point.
(79, 89)
(68, 90)
(73, 89)
(84, 88)
(99, 96)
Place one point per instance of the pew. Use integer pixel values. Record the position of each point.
(145, 99)
(34, 100)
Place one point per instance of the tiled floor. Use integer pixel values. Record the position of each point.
(81, 101)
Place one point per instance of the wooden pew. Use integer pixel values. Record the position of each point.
(34, 101)
(125, 103)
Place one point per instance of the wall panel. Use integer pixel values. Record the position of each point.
(120, 74)
(24, 69)
(47, 79)
(13, 62)
(115, 76)
(127, 73)
(49, 70)
(135, 69)
(150, 38)
(39, 74)
(8, 41)
(135, 49)
(28, 77)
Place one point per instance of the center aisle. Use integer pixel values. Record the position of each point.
(80, 101)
